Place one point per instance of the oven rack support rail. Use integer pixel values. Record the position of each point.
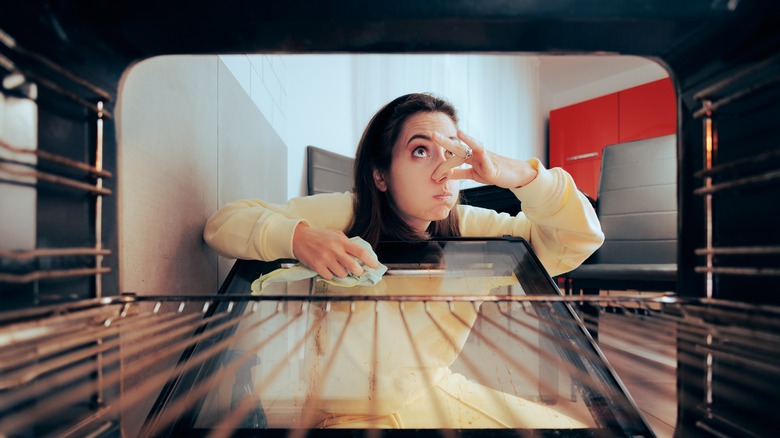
(743, 97)
(45, 175)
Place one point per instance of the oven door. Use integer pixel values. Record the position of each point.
(460, 335)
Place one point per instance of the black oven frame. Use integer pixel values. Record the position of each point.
(713, 49)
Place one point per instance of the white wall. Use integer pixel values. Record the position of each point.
(320, 95)
(264, 79)
(190, 140)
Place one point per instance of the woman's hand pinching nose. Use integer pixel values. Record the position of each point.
(460, 153)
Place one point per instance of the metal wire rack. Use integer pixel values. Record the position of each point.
(45, 175)
(746, 163)
(193, 352)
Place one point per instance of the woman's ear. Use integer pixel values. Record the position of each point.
(379, 181)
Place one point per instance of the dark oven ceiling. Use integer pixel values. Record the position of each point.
(121, 32)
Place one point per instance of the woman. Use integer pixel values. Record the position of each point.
(399, 195)
(406, 189)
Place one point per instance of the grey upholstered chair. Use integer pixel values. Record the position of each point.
(327, 172)
(637, 207)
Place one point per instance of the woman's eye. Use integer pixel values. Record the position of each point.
(420, 152)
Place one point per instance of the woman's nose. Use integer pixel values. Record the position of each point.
(436, 175)
(442, 155)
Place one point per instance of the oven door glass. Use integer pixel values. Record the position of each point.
(462, 334)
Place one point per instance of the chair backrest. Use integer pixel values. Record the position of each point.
(328, 172)
(637, 203)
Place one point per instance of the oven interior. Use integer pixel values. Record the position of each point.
(62, 65)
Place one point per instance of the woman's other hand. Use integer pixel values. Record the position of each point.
(328, 252)
(485, 167)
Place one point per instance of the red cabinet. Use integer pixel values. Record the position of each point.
(577, 135)
(579, 132)
(647, 111)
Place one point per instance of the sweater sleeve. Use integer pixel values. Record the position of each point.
(258, 230)
(557, 220)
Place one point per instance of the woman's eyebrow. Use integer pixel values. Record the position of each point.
(416, 136)
(426, 137)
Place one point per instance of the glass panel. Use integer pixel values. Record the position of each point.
(462, 334)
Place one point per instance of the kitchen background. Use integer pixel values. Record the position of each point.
(196, 132)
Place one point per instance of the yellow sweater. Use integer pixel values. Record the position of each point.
(557, 221)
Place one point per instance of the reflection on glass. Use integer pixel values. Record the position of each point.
(475, 352)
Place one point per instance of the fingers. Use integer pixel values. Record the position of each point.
(334, 270)
(454, 145)
(330, 253)
(337, 266)
(460, 149)
(483, 166)
(460, 153)
(471, 142)
(348, 262)
(445, 167)
(363, 255)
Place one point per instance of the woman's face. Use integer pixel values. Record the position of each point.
(418, 198)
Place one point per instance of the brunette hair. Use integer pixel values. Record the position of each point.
(375, 215)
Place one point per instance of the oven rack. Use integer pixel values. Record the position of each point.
(149, 346)
(739, 168)
(39, 69)
(45, 174)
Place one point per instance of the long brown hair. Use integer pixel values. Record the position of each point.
(375, 216)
